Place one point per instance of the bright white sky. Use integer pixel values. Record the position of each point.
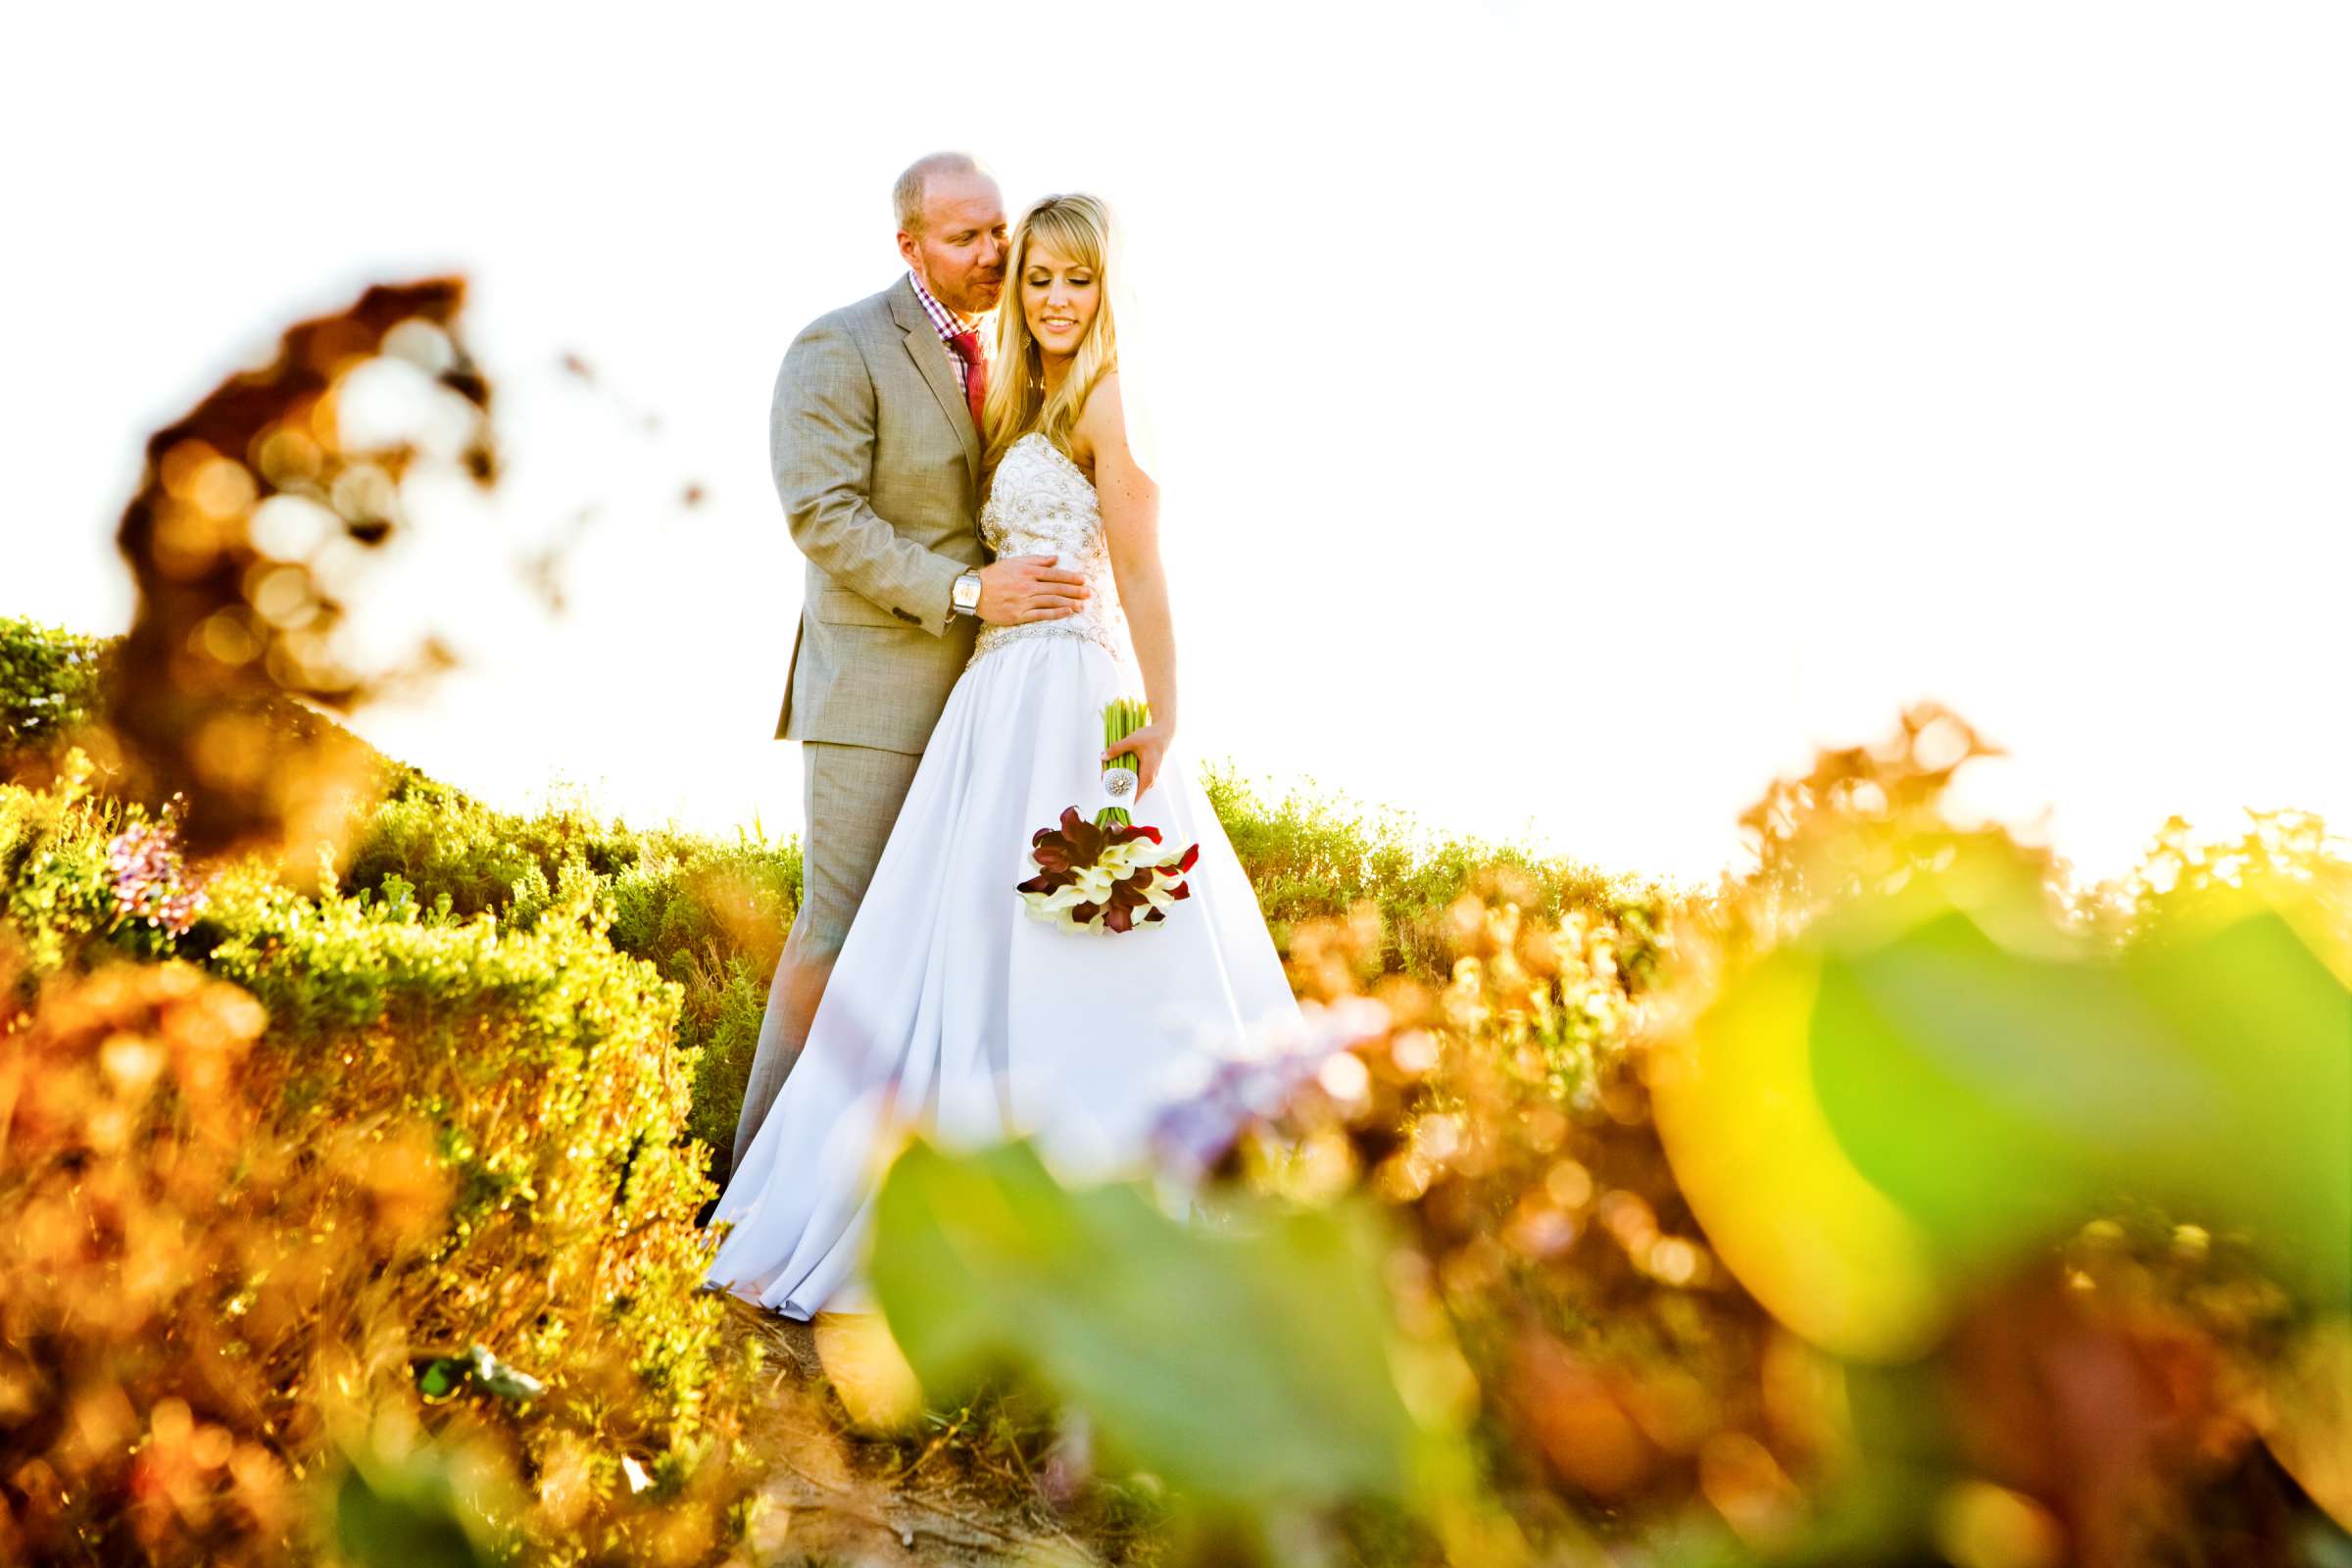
(1571, 415)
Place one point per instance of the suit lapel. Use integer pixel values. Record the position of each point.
(930, 356)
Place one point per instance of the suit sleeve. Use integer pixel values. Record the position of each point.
(821, 446)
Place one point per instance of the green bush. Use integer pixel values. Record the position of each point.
(545, 1064)
(49, 682)
(1310, 858)
(711, 917)
(537, 1073)
(443, 843)
(57, 893)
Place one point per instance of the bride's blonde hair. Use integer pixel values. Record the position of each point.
(1079, 227)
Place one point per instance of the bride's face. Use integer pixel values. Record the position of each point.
(1059, 298)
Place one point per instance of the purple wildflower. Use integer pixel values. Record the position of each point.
(1252, 1080)
(151, 881)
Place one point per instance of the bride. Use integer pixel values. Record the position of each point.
(949, 1008)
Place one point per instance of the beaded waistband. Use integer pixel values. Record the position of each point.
(991, 638)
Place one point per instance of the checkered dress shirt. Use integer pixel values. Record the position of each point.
(946, 323)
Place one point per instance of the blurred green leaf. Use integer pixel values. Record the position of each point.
(1987, 1092)
(1994, 1095)
(1250, 1368)
(407, 1514)
(2271, 1025)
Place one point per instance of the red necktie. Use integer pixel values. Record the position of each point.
(975, 371)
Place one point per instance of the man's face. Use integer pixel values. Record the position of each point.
(960, 253)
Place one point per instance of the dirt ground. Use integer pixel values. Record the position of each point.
(839, 1499)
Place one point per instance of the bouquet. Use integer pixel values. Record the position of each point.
(1110, 874)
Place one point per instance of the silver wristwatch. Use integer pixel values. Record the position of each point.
(966, 593)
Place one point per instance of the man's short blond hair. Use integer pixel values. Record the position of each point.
(907, 196)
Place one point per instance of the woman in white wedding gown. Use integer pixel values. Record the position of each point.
(950, 1010)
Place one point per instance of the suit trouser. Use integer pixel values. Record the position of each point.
(851, 795)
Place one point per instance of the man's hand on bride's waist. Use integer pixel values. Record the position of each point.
(1023, 588)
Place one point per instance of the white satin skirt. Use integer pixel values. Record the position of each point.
(952, 1011)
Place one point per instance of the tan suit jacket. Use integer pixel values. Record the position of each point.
(878, 466)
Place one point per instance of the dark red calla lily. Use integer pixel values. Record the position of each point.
(1062, 852)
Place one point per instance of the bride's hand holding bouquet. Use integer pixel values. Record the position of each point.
(1148, 746)
(1110, 874)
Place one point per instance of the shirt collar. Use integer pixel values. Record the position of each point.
(945, 322)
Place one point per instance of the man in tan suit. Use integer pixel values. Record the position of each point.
(875, 442)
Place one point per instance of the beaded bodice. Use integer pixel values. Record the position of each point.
(1042, 503)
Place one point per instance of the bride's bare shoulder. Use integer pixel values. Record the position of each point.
(1101, 427)
(1105, 408)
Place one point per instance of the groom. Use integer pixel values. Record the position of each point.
(874, 436)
